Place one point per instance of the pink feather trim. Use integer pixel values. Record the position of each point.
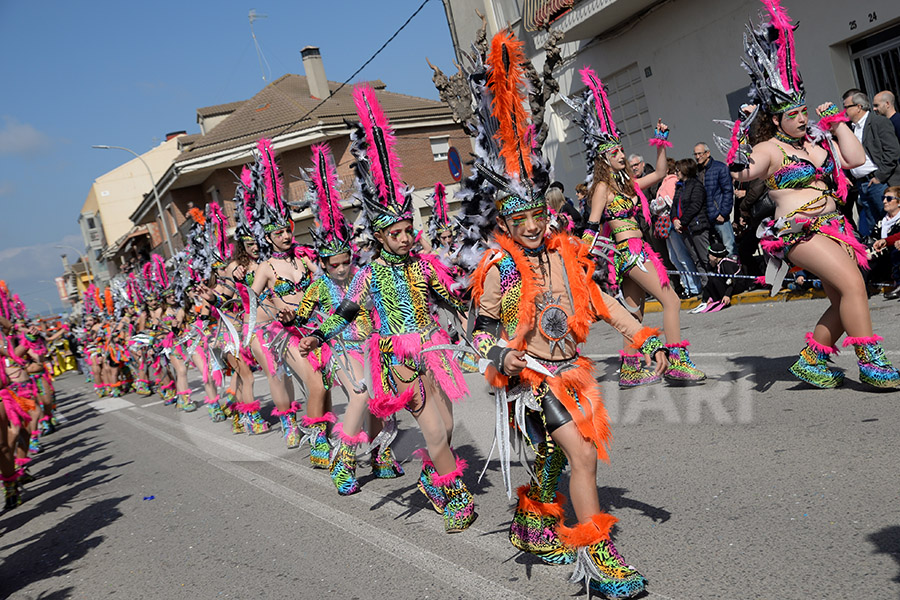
(780, 20)
(250, 407)
(422, 454)
(761, 280)
(862, 341)
(735, 142)
(775, 247)
(271, 175)
(351, 440)
(681, 344)
(637, 245)
(439, 480)
(371, 115)
(819, 347)
(326, 418)
(848, 238)
(384, 405)
(659, 143)
(17, 415)
(21, 462)
(329, 209)
(208, 400)
(826, 123)
(290, 410)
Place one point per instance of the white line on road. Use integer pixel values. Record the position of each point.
(105, 405)
(158, 402)
(450, 573)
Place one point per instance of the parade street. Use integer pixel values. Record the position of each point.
(749, 486)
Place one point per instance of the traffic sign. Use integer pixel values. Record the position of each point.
(454, 163)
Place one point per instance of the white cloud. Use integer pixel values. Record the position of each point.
(30, 271)
(22, 138)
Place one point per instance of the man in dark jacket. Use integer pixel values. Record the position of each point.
(880, 170)
(716, 180)
(688, 213)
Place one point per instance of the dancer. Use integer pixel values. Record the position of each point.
(535, 301)
(617, 199)
(802, 166)
(408, 367)
(344, 353)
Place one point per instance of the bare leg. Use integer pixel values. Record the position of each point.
(828, 259)
(431, 424)
(209, 386)
(318, 400)
(583, 463)
(649, 283)
(357, 402)
(278, 385)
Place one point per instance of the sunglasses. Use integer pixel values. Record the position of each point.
(889, 198)
(846, 106)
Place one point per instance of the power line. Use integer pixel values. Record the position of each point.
(357, 72)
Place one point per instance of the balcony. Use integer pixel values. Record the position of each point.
(589, 18)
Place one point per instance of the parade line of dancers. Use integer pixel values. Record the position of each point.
(395, 316)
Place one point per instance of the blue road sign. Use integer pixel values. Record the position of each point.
(454, 163)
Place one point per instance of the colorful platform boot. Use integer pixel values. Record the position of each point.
(237, 425)
(459, 512)
(34, 443)
(289, 429)
(100, 389)
(812, 366)
(434, 493)
(874, 367)
(22, 469)
(343, 463)
(44, 425)
(250, 418)
(681, 368)
(116, 389)
(216, 414)
(11, 492)
(229, 400)
(167, 392)
(185, 402)
(634, 372)
(384, 465)
(315, 430)
(534, 528)
(142, 387)
(598, 564)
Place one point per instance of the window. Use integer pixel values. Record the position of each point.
(876, 61)
(90, 222)
(507, 12)
(440, 146)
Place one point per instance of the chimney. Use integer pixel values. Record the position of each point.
(315, 72)
(175, 134)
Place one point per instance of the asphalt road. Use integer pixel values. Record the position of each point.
(750, 486)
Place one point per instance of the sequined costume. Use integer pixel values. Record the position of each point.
(403, 328)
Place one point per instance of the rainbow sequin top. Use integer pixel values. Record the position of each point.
(621, 207)
(800, 173)
(323, 297)
(398, 296)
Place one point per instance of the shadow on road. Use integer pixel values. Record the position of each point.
(887, 541)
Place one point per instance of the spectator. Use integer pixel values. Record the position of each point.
(675, 246)
(559, 186)
(640, 168)
(689, 216)
(888, 230)
(873, 177)
(755, 206)
(584, 200)
(885, 105)
(718, 291)
(557, 201)
(719, 194)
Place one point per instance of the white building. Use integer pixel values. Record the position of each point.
(679, 60)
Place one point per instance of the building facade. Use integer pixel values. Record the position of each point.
(679, 60)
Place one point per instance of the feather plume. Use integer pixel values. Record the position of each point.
(440, 202)
(787, 62)
(601, 101)
(159, 271)
(197, 215)
(272, 181)
(109, 301)
(219, 231)
(506, 80)
(324, 178)
(383, 161)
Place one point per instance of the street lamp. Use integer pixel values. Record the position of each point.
(159, 209)
(87, 265)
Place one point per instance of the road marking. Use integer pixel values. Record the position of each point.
(105, 405)
(492, 544)
(440, 568)
(158, 402)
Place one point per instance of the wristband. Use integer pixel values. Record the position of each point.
(660, 139)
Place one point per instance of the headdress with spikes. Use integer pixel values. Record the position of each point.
(331, 233)
(200, 248)
(385, 198)
(770, 60)
(268, 210)
(244, 206)
(440, 216)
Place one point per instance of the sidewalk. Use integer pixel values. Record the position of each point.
(752, 297)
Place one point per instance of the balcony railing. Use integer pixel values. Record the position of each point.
(539, 14)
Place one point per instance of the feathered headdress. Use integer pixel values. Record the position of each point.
(275, 214)
(217, 235)
(386, 199)
(159, 275)
(440, 216)
(770, 60)
(331, 233)
(4, 301)
(200, 247)
(525, 177)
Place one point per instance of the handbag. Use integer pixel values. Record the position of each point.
(762, 208)
(662, 226)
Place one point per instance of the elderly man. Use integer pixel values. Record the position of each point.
(873, 177)
(885, 105)
(716, 180)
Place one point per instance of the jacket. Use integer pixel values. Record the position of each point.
(719, 190)
(881, 145)
(689, 205)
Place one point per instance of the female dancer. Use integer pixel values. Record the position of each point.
(344, 354)
(405, 370)
(284, 277)
(616, 199)
(535, 301)
(802, 169)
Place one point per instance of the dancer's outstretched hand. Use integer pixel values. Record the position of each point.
(514, 362)
(308, 344)
(662, 362)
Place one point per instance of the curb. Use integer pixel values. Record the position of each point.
(752, 297)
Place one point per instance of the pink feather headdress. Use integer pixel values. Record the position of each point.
(331, 233)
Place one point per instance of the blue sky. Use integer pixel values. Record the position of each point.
(124, 73)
